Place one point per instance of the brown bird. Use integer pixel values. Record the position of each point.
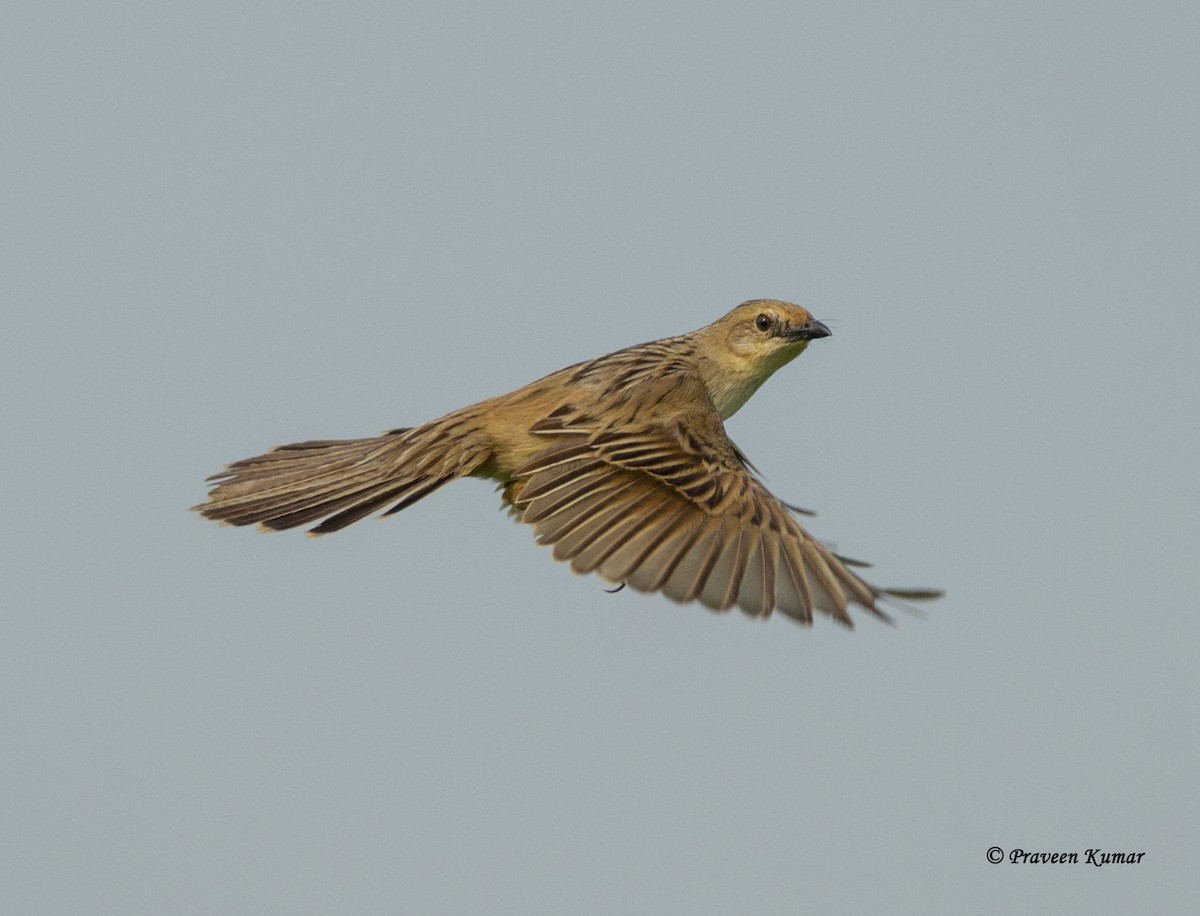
(621, 463)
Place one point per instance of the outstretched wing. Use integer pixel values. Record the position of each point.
(673, 508)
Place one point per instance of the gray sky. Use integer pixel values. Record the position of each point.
(228, 227)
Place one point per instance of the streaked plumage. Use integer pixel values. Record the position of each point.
(621, 464)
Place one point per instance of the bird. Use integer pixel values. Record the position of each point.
(621, 464)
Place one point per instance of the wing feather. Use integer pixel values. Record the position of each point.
(604, 522)
(797, 576)
(674, 507)
(722, 587)
(553, 529)
(698, 565)
(570, 491)
(657, 566)
(627, 555)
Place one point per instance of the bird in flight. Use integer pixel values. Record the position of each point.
(621, 464)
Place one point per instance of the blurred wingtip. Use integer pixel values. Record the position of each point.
(850, 561)
(914, 594)
(799, 510)
(899, 598)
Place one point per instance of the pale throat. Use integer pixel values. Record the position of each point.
(736, 381)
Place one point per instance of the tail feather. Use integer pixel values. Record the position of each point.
(342, 480)
(294, 493)
(303, 511)
(406, 495)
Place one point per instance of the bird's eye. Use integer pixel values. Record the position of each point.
(763, 322)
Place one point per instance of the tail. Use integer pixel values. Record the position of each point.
(343, 480)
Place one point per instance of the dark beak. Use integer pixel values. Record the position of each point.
(810, 330)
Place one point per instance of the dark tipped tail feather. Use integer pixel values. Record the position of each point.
(340, 480)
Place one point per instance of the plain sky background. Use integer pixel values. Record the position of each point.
(228, 226)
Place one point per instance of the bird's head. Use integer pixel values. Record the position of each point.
(742, 349)
(763, 329)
